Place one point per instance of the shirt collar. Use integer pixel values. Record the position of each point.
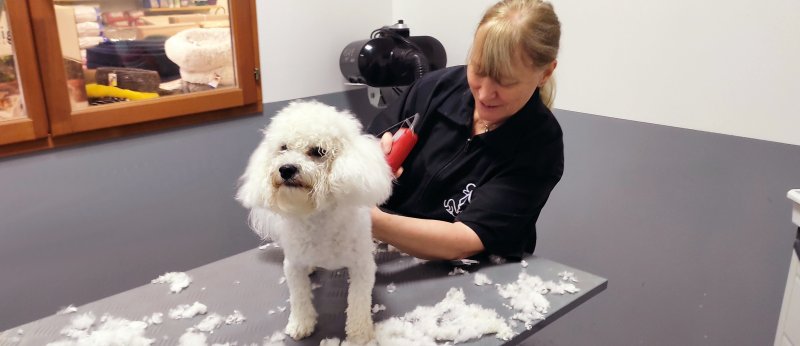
(506, 138)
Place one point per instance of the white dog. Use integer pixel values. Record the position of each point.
(310, 185)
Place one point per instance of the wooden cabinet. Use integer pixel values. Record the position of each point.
(90, 72)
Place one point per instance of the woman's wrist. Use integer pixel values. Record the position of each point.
(377, 215)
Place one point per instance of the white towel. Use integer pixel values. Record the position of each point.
(85, 14)
(87, 29)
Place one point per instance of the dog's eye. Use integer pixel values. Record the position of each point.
(317, 152)
(284, 147)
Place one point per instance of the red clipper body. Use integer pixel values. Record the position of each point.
(402, 143)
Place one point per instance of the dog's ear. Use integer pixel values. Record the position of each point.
(254, 186)
(360, 173)
(263, 222)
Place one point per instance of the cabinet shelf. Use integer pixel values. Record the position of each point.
(187, 9)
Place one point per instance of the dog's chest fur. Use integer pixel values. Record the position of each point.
(330, 239)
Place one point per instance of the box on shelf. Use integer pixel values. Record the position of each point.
(215, 24)
(196, 18)
(167, 30)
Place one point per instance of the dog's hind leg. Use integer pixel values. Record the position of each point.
(359, 326)
(303, 316)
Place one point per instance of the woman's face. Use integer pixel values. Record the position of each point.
(497, 100)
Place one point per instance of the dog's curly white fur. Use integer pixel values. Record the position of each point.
(309, 186)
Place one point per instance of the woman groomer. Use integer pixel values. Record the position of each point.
(489, 149)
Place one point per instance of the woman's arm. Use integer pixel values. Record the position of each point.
(426, 239)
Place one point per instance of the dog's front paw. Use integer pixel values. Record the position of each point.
(300, 326)
(360, 335)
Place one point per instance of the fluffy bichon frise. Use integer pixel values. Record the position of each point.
(309, 186)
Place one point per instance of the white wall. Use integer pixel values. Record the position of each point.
(730, 67)
(455, 30)
(300, 42)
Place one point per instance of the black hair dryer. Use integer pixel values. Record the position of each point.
(391, 57)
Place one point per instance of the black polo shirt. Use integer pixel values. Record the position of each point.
(496, 183)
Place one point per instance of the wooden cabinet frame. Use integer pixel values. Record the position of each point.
(45, 87)
(35, 126)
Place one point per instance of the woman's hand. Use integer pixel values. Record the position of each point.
(386, 145)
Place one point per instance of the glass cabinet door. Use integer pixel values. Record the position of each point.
(21, 107)
(12, 105)
(119, 62)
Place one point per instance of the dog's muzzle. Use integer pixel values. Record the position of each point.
(289, 175)
(288, 171)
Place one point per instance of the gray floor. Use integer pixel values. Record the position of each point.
(692, 229)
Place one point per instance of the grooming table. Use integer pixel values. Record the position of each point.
(250, 282)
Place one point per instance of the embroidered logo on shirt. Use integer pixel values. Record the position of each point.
(455, 208)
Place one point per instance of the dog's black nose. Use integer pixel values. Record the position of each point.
(287, 171)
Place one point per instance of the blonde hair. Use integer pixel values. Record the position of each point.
(511, 27)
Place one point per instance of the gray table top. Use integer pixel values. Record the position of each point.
(250, 282)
